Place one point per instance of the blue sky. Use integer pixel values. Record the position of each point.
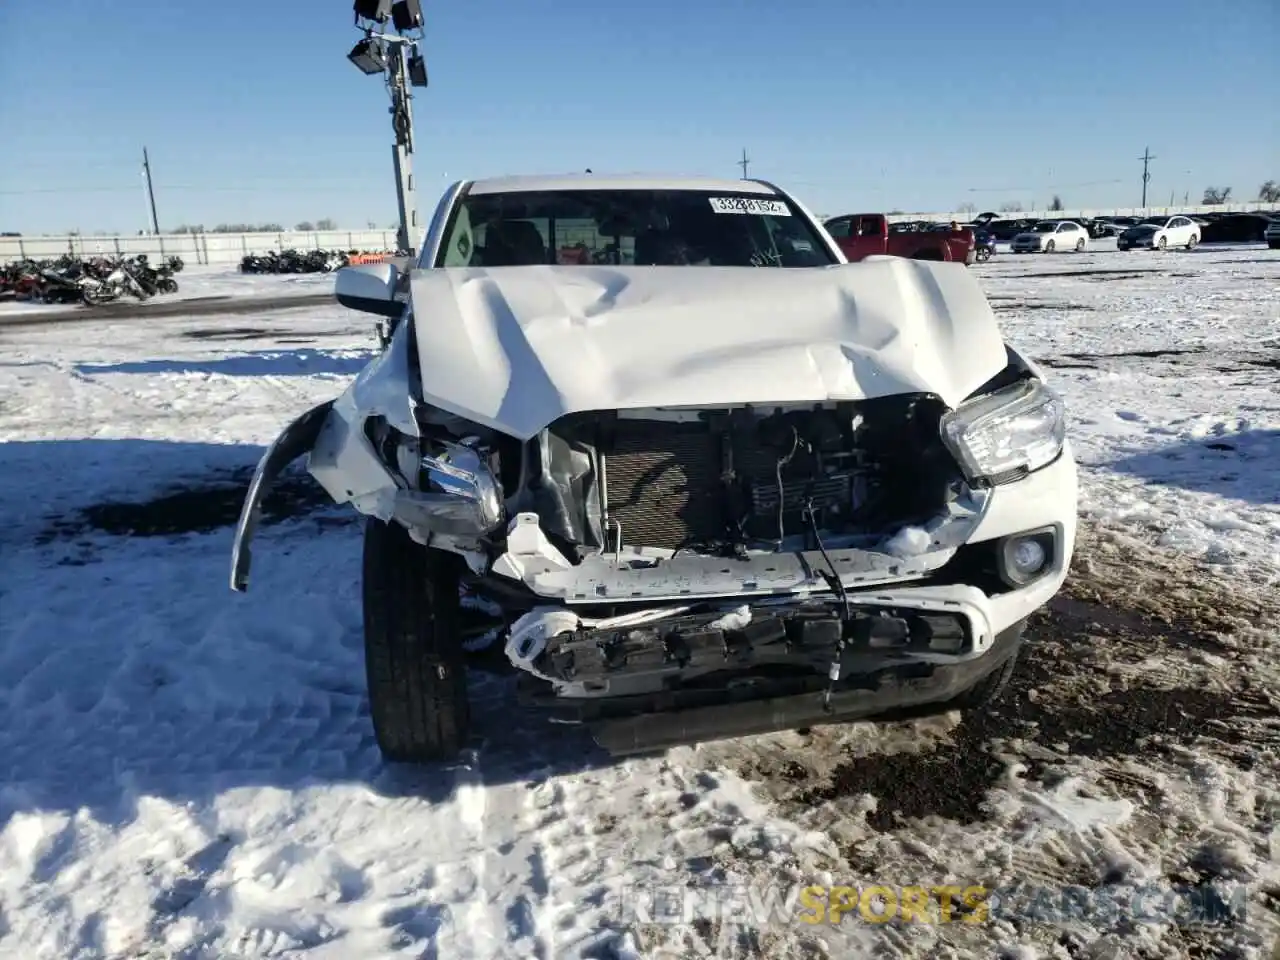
(913, 104)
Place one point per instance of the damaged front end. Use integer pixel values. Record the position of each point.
(694, 557)
(735, 568)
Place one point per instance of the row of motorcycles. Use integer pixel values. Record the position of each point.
(89, 281)
(300, 261)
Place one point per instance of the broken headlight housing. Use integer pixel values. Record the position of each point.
(1008, 433)
(459, 470)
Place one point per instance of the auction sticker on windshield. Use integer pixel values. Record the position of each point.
(749, 205)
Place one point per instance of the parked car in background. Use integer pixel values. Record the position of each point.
(1159, 233)
(984, 244)
(1272, 234)
(1237, 228)
(861, 235)
(1050, 236)
(1100, 227)
(1005, 230)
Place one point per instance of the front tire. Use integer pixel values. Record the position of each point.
(1163, 244)
(987, 690)
(413, 650)
(1080, 245)
(1048, 247)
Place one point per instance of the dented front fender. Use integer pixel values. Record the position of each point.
(298, 438)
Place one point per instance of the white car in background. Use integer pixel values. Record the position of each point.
(1049, 236)
(1159, 233)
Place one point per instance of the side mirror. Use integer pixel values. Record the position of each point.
(370, 288)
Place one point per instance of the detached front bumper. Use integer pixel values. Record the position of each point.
(643, 723)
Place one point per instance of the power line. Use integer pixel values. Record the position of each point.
(1051, 186)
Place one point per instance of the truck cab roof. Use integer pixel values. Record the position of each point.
(614, 181)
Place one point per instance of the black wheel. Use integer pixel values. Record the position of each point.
(413, 650)
(1164, 242)
(1080, 245)
(1191, 242)
(1048, 247)
(983, 693)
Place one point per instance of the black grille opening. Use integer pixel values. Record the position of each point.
(747, 476)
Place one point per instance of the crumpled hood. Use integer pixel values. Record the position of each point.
(516, 348)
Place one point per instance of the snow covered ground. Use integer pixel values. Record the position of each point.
(189, 773)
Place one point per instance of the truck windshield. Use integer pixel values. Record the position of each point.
(630, 228)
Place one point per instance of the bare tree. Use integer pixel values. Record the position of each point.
(1056, 204)
(306, 226)
(1216, 195)
(1269, 192)
(966, 208)
(326, 224)
(1011, 206)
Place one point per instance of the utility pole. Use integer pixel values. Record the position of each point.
(151, 193)
(743, 163)
(1146, 158)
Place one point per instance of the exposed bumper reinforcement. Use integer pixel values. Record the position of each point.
(656, 722)
(298, 438)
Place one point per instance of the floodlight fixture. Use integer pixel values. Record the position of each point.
(376, 10)
(368, 56)
(417, 69)
(406, 15)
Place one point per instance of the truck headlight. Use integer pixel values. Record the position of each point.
(460, 471)
(1008, 433)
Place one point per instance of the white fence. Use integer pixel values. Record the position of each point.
(1085, 214)
(229, 248)
(193, 248)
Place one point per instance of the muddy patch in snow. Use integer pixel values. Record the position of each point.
(1137, 740)
(1079, 691)
(1177, 360)
(195, 508)
(228, 333)
(1118, 664)
(1100, 275)
(274, 334)
(1019, 305)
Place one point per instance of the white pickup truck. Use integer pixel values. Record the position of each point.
(709, 478)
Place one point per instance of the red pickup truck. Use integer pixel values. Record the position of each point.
(868, 234)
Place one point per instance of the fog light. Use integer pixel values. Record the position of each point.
(1025, 557)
